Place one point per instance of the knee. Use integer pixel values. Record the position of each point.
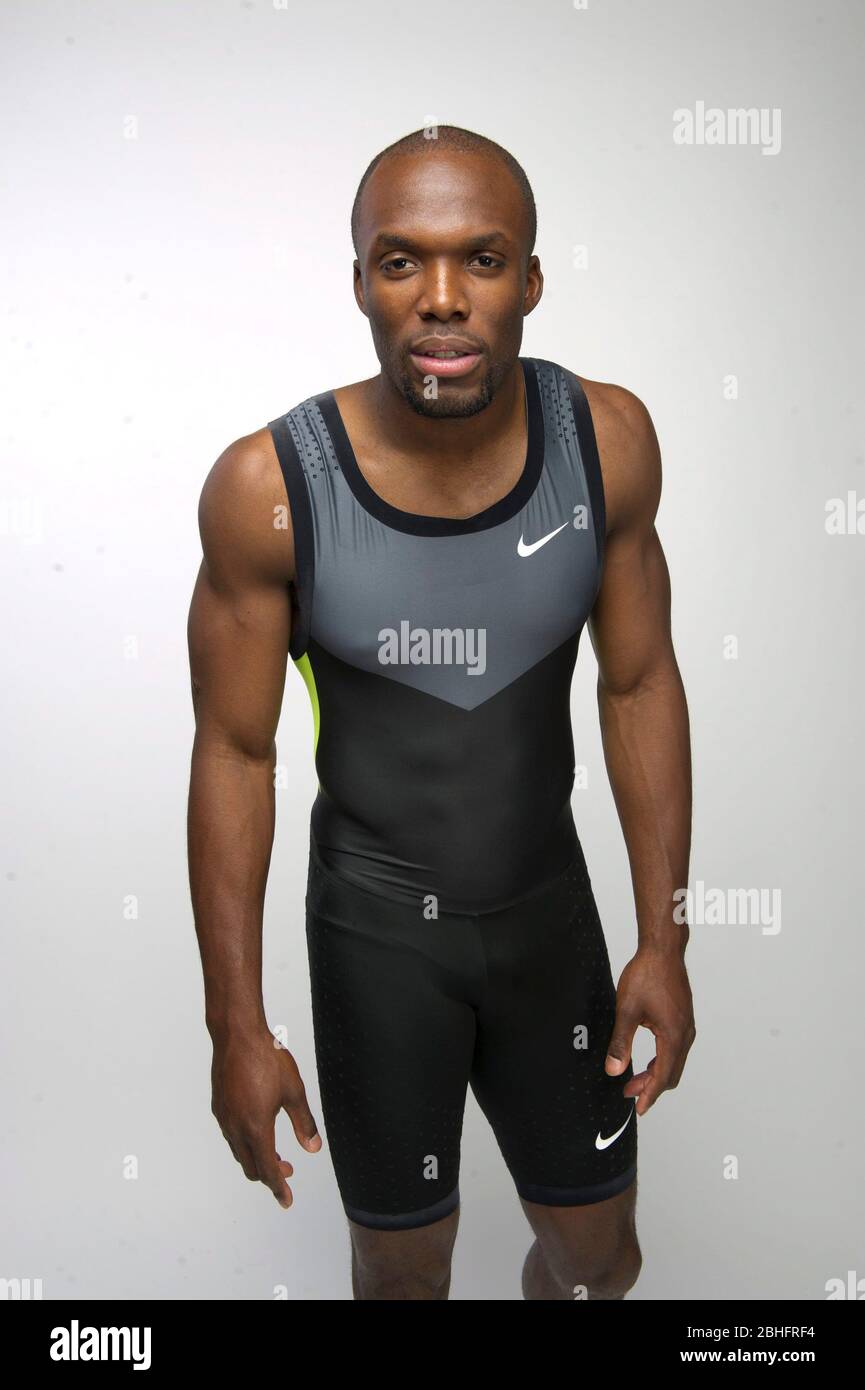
(390, 1285)
(425, 1278)
(404, 1265)
(605, 1275)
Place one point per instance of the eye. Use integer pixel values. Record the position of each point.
(493, 261)
(396, 263)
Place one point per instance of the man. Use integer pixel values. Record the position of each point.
(427, 545)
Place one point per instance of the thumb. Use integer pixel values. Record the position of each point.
(302, 1122)
(295, 1105)
(620, 1044)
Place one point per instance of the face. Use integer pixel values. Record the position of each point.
(442, 241)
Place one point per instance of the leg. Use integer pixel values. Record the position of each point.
(567, 1134)
(586, 1252)
(394, 1037)
(401, 1265)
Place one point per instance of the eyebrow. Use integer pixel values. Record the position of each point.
(392, 241)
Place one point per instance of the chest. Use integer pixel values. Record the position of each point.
(457, 616)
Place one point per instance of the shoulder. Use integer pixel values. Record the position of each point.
(628, 450)
(243, 515)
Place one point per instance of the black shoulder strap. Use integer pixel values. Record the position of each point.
(301, 522)
(591, 463)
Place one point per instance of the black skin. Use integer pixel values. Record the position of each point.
(438, 270)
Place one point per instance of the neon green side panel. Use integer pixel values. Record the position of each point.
(304, 667)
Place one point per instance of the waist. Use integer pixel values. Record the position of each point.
(332, 896)
(466, 874)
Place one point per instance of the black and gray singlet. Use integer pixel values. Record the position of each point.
(439, 652)
(453, 935)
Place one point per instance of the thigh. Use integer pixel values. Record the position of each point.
(393, 1043)
(407, 1264)
(583, 1252)
(586, 1239)
(566, 1131)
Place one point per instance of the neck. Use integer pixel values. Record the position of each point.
(442, 438)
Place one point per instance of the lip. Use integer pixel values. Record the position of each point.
(468, 358)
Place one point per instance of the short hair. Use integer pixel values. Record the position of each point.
(451, 137)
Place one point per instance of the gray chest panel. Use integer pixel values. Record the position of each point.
(458, 616)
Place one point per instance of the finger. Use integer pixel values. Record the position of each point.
(637, 1084)
(658, 1080)
(245, 1157)
(676, 1073)
(269, 1170)
(641, 1078)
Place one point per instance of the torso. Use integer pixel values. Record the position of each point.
(438, 647)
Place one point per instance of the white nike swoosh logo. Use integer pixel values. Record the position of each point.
(523, 549)
(605, 1143)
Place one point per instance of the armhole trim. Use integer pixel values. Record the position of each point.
(301, 522)
(591, 467)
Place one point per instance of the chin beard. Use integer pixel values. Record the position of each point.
(448, 406)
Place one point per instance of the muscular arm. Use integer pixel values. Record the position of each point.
(239, 628)
(645, 732)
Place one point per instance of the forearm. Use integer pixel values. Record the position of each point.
(646, 741)
(230, 837)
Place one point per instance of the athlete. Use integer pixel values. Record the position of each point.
(427, 546)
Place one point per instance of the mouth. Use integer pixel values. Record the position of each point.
(445, 362)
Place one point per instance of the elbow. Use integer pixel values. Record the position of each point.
(660, 677)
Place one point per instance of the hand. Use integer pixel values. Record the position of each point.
(654, 993)
(253, 1078)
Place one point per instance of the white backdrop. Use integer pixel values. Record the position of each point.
(175, 202)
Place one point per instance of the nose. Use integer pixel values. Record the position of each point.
(444, 292)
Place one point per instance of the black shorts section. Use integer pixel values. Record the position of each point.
(577, 1196)
(409, 1009)
(410, 1220)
